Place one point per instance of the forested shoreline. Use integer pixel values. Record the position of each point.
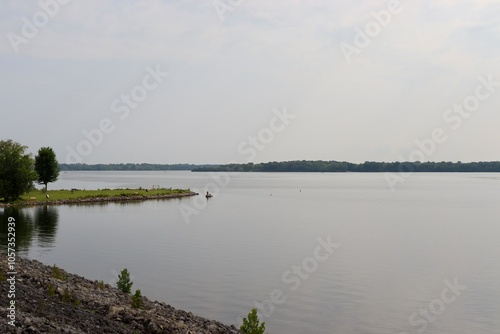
(366, 167)
(128, 167)
(318, 166)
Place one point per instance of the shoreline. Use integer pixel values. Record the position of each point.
(68, 303)
(94, 200)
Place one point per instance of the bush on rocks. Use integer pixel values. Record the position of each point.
(137, 299)
(124, 283)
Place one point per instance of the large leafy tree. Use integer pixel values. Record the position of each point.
(46, 166)
(17, 171)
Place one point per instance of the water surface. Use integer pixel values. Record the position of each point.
(396, 250)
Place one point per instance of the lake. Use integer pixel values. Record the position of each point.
(316, 252)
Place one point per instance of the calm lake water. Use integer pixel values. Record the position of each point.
(398, 254)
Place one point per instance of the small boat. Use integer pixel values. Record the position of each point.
(209, 195)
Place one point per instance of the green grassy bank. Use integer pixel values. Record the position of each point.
(78, 194)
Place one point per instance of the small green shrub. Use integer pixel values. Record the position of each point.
(124, 283)
(51, 289)
(42, 306)
(66, 297)
(137, 299)
(100, 285)
(58, 273)
(251, 324)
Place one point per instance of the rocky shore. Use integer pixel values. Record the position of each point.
(94, 200)
(49, 300)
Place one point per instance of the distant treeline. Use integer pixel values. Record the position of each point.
(128, 166)
(300, 166)
(366, 167)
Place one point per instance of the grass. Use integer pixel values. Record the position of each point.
(100, 285)
(67, 297)
(59, 195)
(59, 274)
(42, 306)
(51, 289)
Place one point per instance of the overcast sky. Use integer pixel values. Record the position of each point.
(347, 87)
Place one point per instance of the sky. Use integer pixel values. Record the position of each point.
(218, 81)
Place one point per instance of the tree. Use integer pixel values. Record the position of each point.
(17, 171)
(137, 299)
(46, 166)
(251, 324)
(124, 283)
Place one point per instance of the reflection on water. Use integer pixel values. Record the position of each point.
(38, 224)
(46, 219)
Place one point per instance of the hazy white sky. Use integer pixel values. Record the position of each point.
(70, 67)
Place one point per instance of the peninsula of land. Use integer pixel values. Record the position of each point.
(79, 196)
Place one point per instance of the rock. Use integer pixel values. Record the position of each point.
(114, 310)
(31, 329)
(152, 328)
